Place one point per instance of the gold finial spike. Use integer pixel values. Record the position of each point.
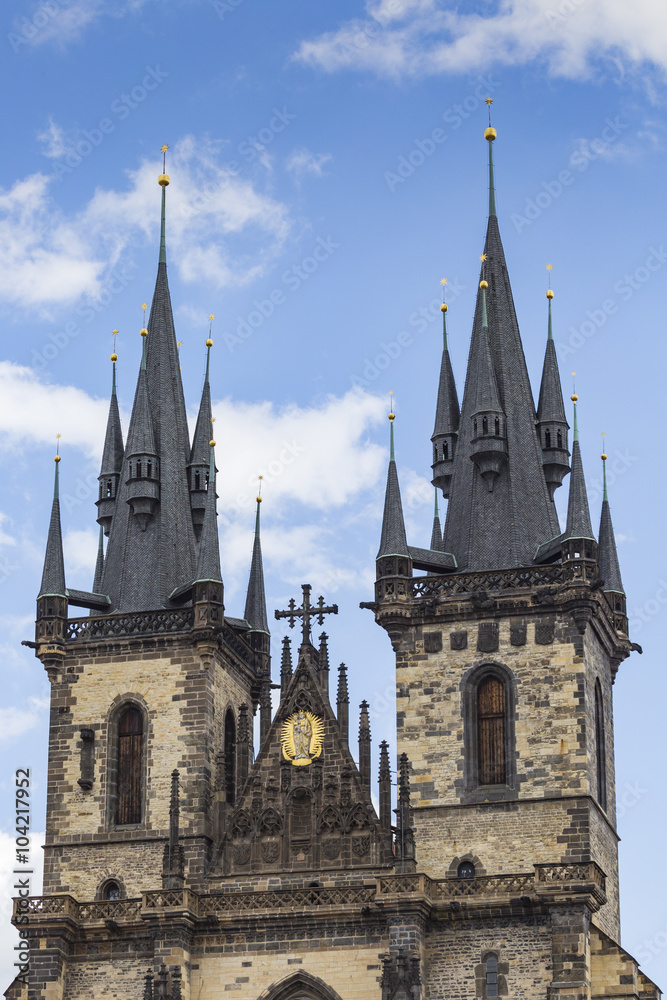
(489, 132)
(574, 396)
(259, 489)
(114, 355)
(550, 294)
(489, 102)
(209, 341)
(163, 179)
(56, 457)
(444, 306)
(391, 404)
(603, 456)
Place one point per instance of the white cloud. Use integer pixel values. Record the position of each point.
(80, 548)
(9, 936)
(416, 38)
(63, 22)
(301, 161)
(16, 721)
(54, 140)
(220, 229)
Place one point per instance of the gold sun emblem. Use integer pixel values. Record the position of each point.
(301, 737)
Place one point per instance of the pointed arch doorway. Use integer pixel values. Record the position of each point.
(299, 986)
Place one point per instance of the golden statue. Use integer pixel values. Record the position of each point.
(302, 736)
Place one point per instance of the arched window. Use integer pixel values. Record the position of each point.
(475, 426)
(197, 480)
(149, 469)
(492, 976)
(485, 425)
(600, 751)
(112, 890)
(491, 731)
(130, 767)
(230, 757)
(497, 426)
(109, 488)
(445, 451)
(559, 438)
(138, 470)
(466, 870)
(547, 439)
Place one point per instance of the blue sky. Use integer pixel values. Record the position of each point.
(328, 169)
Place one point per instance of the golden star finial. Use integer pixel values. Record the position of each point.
(443, 281)
(212, 317)
(179, 343)
(164, 149)
(482, 256)
(489, 100)
(550, 267)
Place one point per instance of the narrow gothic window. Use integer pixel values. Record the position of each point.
(485, 425)
(230, 757)
(138, 470)
(559, 438)
(112, 890)
(149, 469)
(492, 976)
(547, 439)
(497, 427)
(475, 426)
(491, 732)
(109, 490)
(600, 754)
(130, 761)
(197, 480)
(445, 452)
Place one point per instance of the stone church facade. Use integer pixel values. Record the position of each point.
(180, 864)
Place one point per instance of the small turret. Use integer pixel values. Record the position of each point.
(365, 747)
(286, 669)
(112, 459)
(488, 445)
(447, 416)
(343, 704)
(552, 427)
(323, 664)
(52, 598)
(610, 571)
(436, 533)
(393, 560)
(198, 467)
(142, 466)
(578, 546)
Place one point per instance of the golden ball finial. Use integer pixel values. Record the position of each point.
(550, 294)
(259, 499)
(392, 416)
(490, 134)
(444, 307)
(209, 342)
(212, 443)
(603, 457)
(163, 180)
(114, 358)
(56, 458)
(144, 332)
(483, 284)
(574, 397)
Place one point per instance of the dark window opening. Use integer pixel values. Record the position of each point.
(230, 757)
(547, 439)
(138, 470)
(491, 725)
(445, 452)
(112, 890)
(466, 870)
(497, 427)
(475, 426)
(559, 438)
(130, 765)
(197, 480)
(109, 488)
(149, 469)
(492, 976)
(485, 425)
(600, 751)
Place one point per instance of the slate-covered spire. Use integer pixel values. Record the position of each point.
(99, 563)
(255, 605)
(504, 527)
(208, 559)
(610, 570)
(552, 426)
(150, 556)
(578, 514)
(112, 459)
(488, 447)
(53, 576)
(393, 541)
(436, 534)
(142, 470)
(198, 467)
(447, 416)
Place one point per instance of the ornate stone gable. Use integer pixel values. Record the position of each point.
(304, 805)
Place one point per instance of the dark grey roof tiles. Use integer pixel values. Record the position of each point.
(393, 541)
(112, 455)
(208, 558)
(53, 576)
(447, 411)
(255, 605)
(578, 514)
(550, 407)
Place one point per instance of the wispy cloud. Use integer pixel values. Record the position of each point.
(301, 161)
(49, 258)
(417, 38)
(64, 22)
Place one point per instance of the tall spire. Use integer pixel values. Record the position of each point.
(501, 528)
(199, 456)
(151, 555)
(99, 564)
(610, 570)
(447, 415)
(393, 540)
(578, 514)
(552, 426)
(163, 181)
(488, 450)
(436, 534)
(208, 560)
(490, 135)
(112, 457)
(53, 576)
(255, 605)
